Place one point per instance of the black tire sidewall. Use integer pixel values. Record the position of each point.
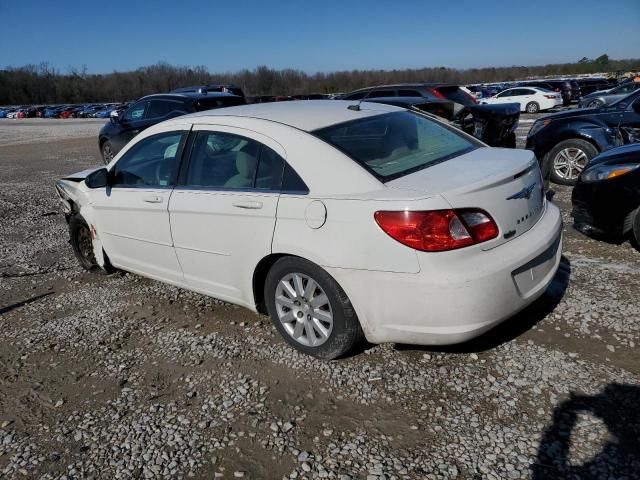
(76, 222)
(346, 330)
(589, 150)
(636, 230)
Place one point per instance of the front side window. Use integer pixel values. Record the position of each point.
(396, 144)
(409, 93)
(152, 162)
(136, 112)
(162, 108)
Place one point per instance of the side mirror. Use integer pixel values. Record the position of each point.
(97, 179)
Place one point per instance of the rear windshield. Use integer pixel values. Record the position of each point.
(217, 102)
(396, 144)
(456, 94)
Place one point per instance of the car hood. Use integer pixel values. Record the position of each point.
(79, 176)
(579, 112)
(619, 155)
(597, 93)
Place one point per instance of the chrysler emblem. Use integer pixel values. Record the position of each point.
(524, 193)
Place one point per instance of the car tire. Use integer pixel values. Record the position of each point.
(532, 107)
(636, 230)
(567, 159)
(336, 328)
(106, 150)
(80, 239)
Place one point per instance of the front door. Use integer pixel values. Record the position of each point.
(132, 215)
(223, 212)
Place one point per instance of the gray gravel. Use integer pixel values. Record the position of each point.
(123, 377)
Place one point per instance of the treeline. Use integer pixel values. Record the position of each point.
(43, 84)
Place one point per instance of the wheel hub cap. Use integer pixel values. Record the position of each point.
(304, 309)
(569, 162)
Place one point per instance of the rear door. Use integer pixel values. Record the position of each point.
(223, 211)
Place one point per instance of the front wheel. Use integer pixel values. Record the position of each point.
(532, 107)
(310, 310)
(107, 152)
(568, 159)
(636, 230)
(82, 244)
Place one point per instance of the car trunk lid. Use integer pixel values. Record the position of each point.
(506, 183)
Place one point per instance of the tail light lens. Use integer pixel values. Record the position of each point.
(550, 96)
(438, 230)
(436, 93)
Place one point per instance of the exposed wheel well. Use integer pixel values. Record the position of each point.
(259, 277)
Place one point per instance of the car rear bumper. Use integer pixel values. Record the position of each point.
(456, 298)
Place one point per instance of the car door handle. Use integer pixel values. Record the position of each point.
(251, 205)
(153, 199)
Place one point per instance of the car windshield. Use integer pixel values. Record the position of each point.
(396, 144)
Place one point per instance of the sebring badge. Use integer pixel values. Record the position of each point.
(524, 193)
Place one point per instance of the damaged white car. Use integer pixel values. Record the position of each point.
(339, 220)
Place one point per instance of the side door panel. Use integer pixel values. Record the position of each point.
(221, 233)
(132, 218)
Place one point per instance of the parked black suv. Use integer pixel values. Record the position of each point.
(154, 109)
(565, 142)
(432, 91)
(590, 85)
(232, 89)
(563, 87)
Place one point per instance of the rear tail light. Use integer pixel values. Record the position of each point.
(438, 230)
(436, 93)
(550, 96)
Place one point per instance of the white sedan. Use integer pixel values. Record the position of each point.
(531, 99)
(339, 220)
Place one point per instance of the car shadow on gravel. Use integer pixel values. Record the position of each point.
(516, 325)
(619, 457)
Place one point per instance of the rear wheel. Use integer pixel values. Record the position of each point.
(532, 107)
(567, 160)
(107, 152)
(82, 244)
(636, 230)
(310, 310)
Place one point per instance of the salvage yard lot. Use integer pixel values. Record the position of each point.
(123, 377)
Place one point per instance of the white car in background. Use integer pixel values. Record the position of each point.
(531, 99)
(337, 219)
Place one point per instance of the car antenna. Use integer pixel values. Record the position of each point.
(356, 107)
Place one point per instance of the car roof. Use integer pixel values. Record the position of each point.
(185, 95)
(307, 115)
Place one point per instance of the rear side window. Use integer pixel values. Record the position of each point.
(355, 96)
(396, 144)
(381, 93)
(217, 102)
(221, 160)
(409, 93)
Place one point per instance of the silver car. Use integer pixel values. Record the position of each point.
(607, 97)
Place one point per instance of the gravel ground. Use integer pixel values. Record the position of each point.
(35, 130)
(123, 377)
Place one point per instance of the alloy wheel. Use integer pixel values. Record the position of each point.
(107, 152)
(304, 309)
(569, 162)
